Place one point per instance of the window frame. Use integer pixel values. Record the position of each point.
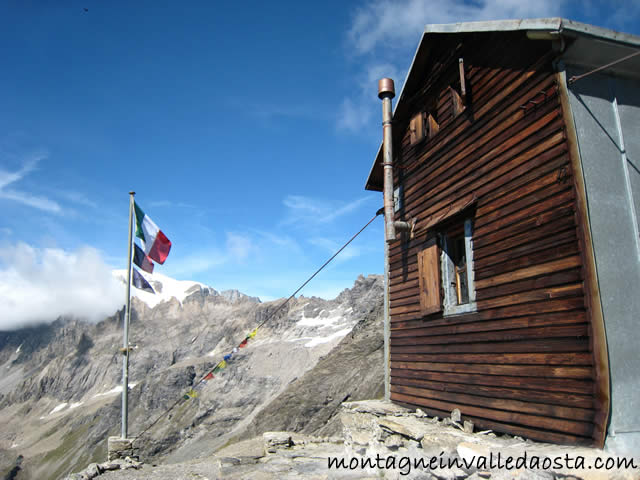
(450, 304)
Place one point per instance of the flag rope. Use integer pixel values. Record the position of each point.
(223, 363)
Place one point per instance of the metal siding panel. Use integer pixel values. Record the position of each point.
(613, 232)
(628, 95)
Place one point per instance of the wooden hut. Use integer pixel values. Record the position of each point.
(514, 297)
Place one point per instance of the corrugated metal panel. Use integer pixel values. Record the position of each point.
(606, 112)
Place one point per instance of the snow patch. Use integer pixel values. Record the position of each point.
(75, 405)
(320, 340)
(319, 322)
(19, 348)
(170, 288)
(114, 390)
(58, 408)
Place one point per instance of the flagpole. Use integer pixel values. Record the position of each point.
(127, 319)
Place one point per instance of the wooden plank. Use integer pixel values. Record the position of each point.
(413, 299)
(533, 192)
(500, 403)
(554, 424)
(565, 344)
(482, 137)
(538, 166)
(571, 290)
(408, 329)
(559, 237)
(512, 149)
(538, 208)
(471, 131)
(453, 209)
(569, 385)
(497, 336)
(559, 305)
(573, 358)
(521, 240)
(549, 280)
(483, 423)
(551, 253)
(546, 371)
(528, 272)
(539, 396)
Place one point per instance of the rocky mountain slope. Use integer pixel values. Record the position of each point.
(60, 386)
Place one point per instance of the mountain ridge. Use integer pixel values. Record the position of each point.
(60, 393)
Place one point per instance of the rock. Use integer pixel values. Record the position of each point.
(119, 448)
(479, 476)
(106, 466)
(420, 414)
(468, 426)
(456, 416)
(275, 440)
(394, 442)
(469, 452)
(93, 470)
(453, 473)
(406, 426)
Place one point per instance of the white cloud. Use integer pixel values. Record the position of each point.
(238, 246)
(39, 285)
(395, 24)
(332, 247)
(384, 35)
(313, 210)
(41, 203)
(8, 178)
(353, 116)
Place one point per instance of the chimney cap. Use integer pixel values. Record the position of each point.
(386, 88)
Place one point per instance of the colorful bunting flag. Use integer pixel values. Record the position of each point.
(222, 364)
(208, 377)
(235, 350)
(227, 357)
(140, 282)
(192, 393)
(253, 333)
(243, 343)
(141, 259)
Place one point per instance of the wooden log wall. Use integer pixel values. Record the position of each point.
(522, 363)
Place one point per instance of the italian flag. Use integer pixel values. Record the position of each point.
(155, 243)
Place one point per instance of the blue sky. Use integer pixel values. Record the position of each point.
(246, 129)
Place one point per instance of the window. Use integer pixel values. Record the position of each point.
(457, 269)
(445, 272)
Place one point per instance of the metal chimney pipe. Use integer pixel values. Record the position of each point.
(386, 91)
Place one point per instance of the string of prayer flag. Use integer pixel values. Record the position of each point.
(222, 364)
